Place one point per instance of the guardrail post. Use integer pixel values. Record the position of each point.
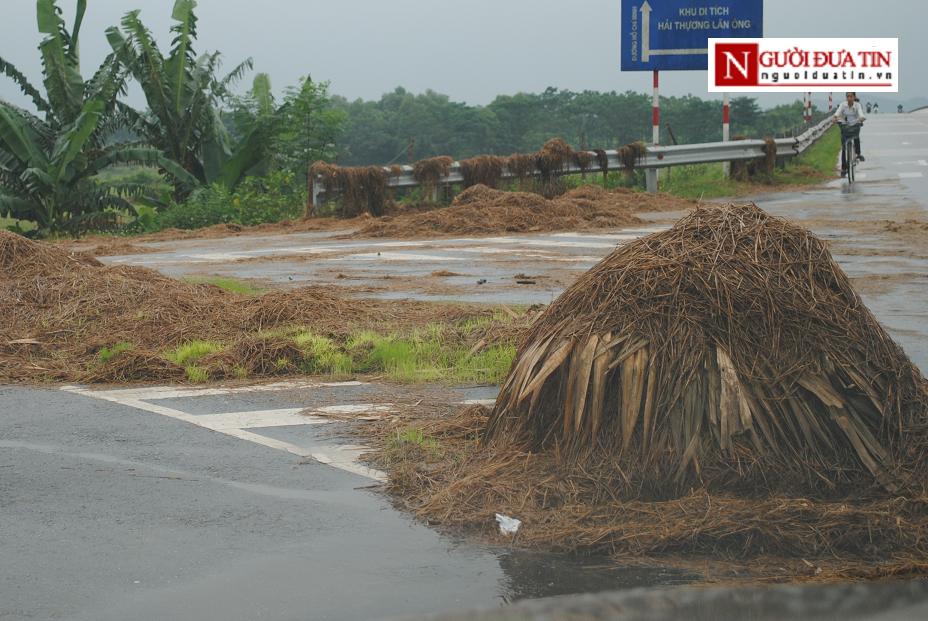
(310, 190)
(312, 196)
(650, 179)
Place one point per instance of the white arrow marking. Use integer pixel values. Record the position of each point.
(645, 32)
(647, 52)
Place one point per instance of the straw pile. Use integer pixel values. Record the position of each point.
(729, 352)
(483, 210)
(61, 309)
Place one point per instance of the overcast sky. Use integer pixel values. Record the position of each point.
(471, 50)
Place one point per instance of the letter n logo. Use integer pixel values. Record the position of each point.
(735, 64)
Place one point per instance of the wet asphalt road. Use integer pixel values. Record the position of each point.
(892, 186)
(108, 511)
(112, 513)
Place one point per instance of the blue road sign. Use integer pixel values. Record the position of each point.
(672, 35)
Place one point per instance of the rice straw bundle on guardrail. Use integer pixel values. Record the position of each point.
(429, 172)
(760, 168)
(482, 170)
(363, 188)
(729, 352)
(631, 155)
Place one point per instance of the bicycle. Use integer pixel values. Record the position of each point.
(850, 133)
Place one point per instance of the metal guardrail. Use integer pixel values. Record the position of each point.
(654, 157)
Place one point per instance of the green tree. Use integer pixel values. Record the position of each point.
(48, 166)
(305, 127)
(184, 96)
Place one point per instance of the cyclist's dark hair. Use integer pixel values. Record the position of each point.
(851, 93)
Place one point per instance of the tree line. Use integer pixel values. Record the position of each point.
(195, 133)
(403, 126)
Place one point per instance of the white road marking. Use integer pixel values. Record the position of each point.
(396, 256)
(236, 424)
(148, 393)
(258, 418)
(623, 234)
(567, 244)
(346, 457)
(484, 402)
(488, 250)
(910, 175)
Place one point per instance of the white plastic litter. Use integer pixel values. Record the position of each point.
(508, 525)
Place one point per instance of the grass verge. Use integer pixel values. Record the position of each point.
(108, 353)
(189, 354)
(464, 351)
(706, 181)
(235, 285)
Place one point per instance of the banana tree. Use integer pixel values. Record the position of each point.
(49, 163)
(184, 96)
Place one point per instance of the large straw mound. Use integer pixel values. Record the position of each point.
(729, 352)
(59, 309)
(717, 390)
(482, 210)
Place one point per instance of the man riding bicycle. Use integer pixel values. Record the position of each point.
(851, 117)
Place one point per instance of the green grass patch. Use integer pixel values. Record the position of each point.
(188, 353)
(428, 355)
(235, 285)
(706, 181)
(196, 373)
(108, 353)
(818, 163)
(323, 356)
(699, 181)
(415, 436)
(474, 350)
(432, 353)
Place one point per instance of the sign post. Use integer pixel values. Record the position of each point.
(673, 35)
(726, 129)
(651, 174)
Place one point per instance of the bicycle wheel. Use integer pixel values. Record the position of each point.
(851, 157)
